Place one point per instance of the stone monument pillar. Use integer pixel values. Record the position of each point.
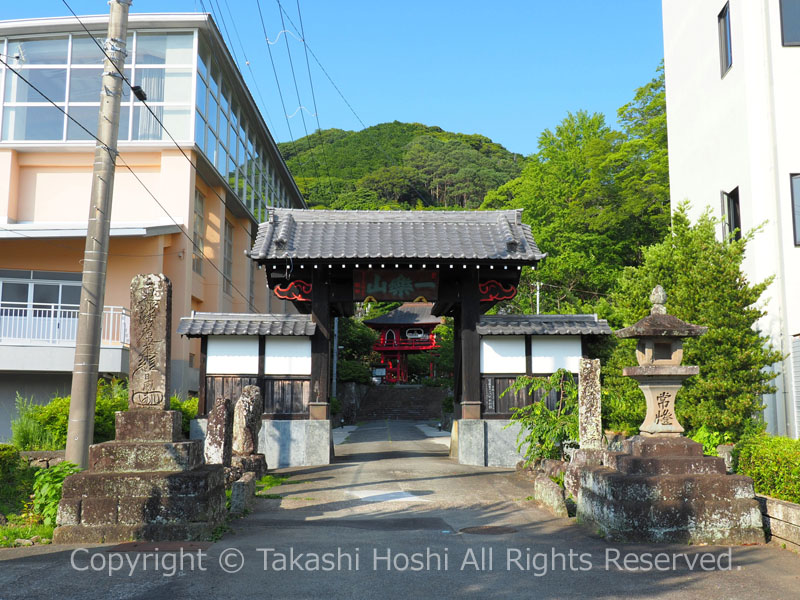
(149, 483)
(660, 487)
(246, 427)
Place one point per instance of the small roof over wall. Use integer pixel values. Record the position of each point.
(344, 236)
(200, 324)
(410, 313)
(542, 325)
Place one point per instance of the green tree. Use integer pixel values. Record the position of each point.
(593, 197)
(705, 285)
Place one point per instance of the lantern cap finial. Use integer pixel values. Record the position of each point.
(658, 298)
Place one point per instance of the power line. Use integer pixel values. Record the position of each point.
(116, 156)
(341, 95)
(297, 92)
(314, 99)
(275, 73)
(154, 115)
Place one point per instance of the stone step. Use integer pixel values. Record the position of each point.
(652, 488)
(661, 446)
(196, 482)
(734, 521)
(666, 465)
(128, 457)
(148, 425)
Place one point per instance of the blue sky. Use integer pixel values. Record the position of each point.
(506, 69)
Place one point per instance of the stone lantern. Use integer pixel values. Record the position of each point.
(660, 375)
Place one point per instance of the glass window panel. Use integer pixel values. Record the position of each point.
(70, 294)
(222, 129)
(15, 292)
(790, 22)
(32, 123)
(40, 51)
(213, 86)
(221, 159)
(211, 113)
(165, 85)
(199, 131)
(160, 48)
(88, 117)
(85, 85)
(86, 52)
(234, 121)
(231, 169)
(224, 103)
(52, 83)
(242, 157)
(175, 119)
(201, 96)
(201, 61)
(211, 146)
(45, 293)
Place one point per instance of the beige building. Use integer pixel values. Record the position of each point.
(193, 224)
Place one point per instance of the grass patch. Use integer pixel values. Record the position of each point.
(270, 481)
(9, 533)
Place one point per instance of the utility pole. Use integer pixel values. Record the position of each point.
(95, 258)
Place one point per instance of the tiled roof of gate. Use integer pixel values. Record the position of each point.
(542, 325)
(374, 234)
(410, 313)
(245, 324)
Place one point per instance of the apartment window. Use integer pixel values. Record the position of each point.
(197, 232)
(796, 208)
(724, 28)
(227, 259)
(732, 219)
(790, 22)
(69, 68)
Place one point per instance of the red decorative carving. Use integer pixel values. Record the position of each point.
(493, 290)
(294, 290)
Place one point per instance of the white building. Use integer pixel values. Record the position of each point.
(733, 93)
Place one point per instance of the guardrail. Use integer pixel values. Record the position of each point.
(41, 324)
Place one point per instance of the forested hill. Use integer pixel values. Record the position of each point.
(398, 165)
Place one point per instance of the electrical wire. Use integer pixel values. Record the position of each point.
(116, 156)
(155, 116)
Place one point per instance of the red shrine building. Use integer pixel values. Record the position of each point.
(403, 331)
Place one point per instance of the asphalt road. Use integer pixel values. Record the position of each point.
(394, 517)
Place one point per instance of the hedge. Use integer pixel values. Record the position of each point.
(773, 463)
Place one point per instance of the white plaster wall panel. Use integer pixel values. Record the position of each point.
(503, 354)
(232, 355)
(287, 355)
(552, 352)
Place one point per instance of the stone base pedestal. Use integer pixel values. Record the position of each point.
(252, 463)
(662, 489)
(149, 490)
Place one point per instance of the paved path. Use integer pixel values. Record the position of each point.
(392, 494)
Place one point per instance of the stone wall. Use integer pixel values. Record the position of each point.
(487, 443)
(782, 521)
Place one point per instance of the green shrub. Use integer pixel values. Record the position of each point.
(546, 433)
(27, 430)
(44, 427)
(710, 439)
(353, 370)
(188, 409)
(447, 404)
(336, 406)
(623, 413)
(16, 480)
(47, 490)
(773, 463)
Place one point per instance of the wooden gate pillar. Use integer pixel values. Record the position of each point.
(319, 407)
(470, 346)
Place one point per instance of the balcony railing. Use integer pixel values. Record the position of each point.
(40, 324)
